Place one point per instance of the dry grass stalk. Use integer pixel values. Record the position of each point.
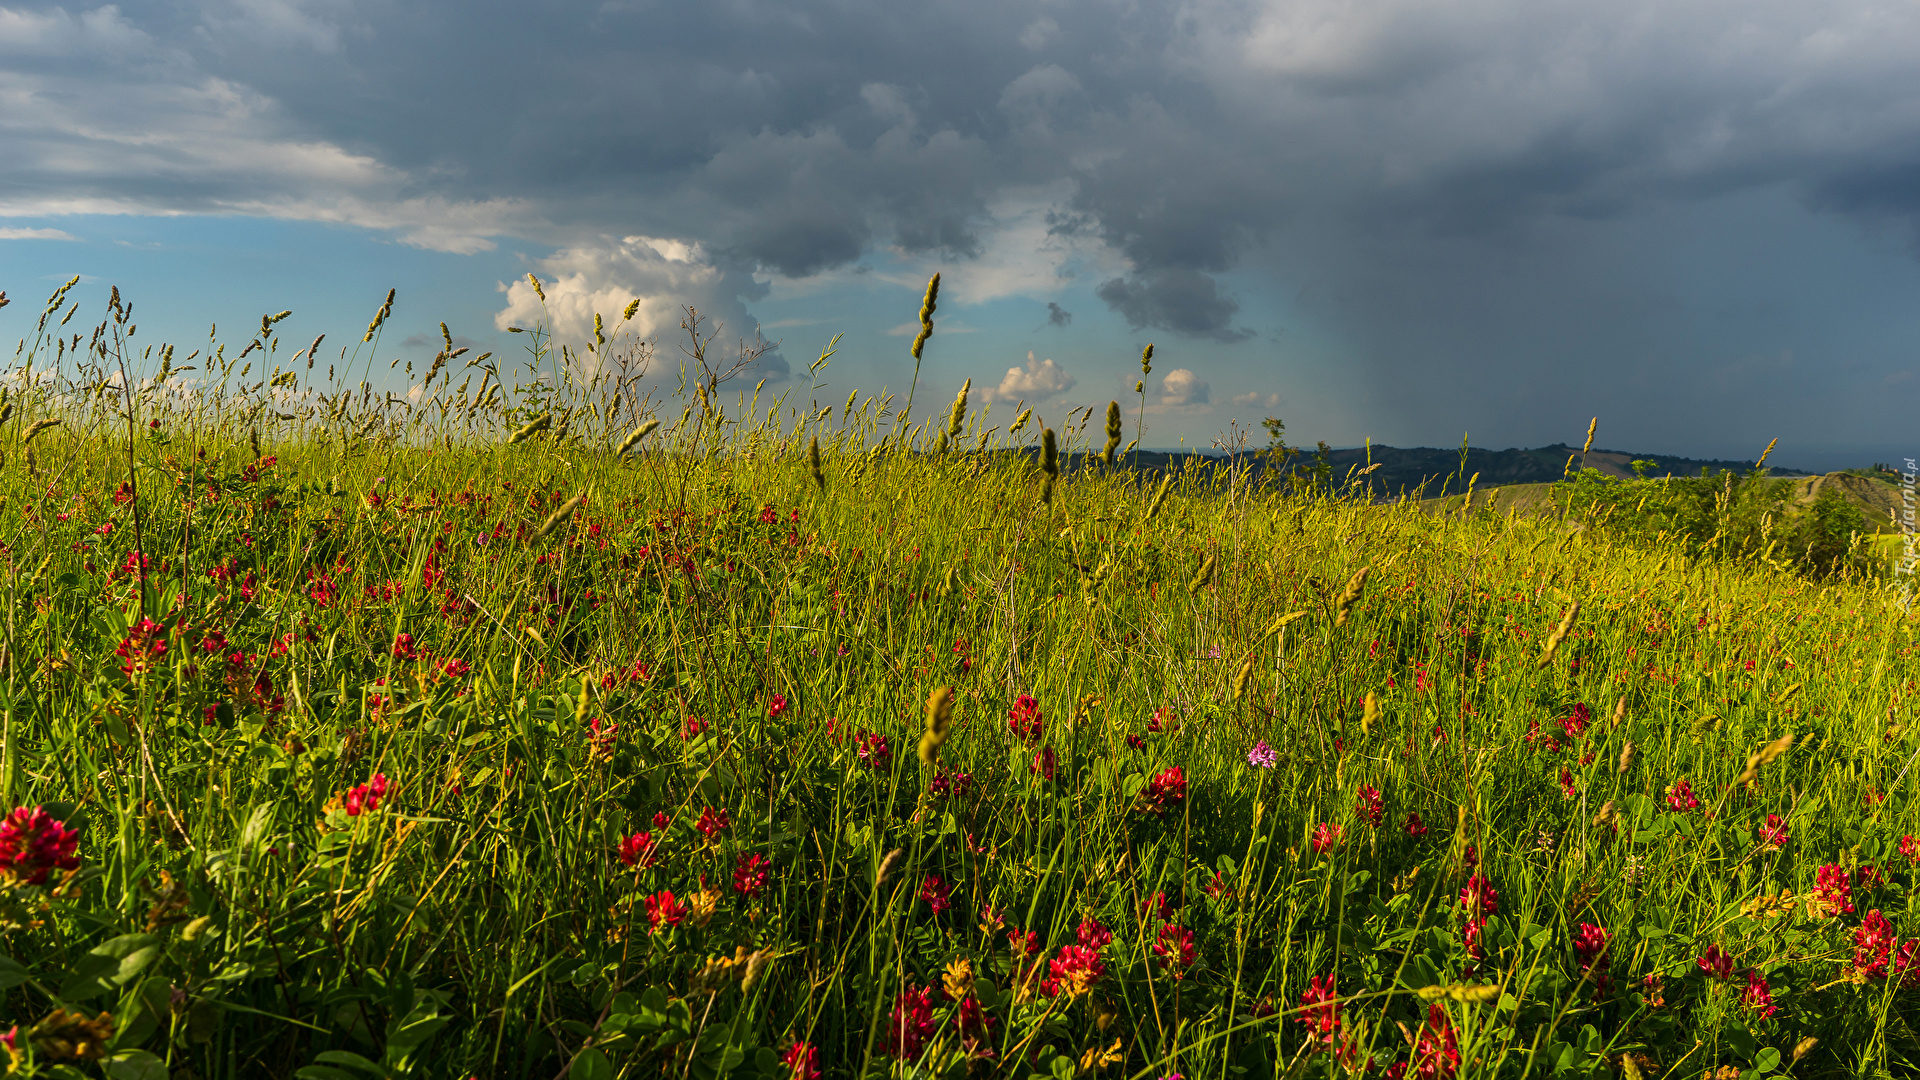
(554, 519)
(1763, 757)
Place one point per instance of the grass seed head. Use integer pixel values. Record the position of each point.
(639, 433)
(1592, 425)
(1113, 431)
(813, 463)
(1559, 634)
(1371, 712)
(37, 427)
(1159, 496)
(939, 723)
(537, 425)
(554, 519)
(1349, 595)
(1241, 678)
(926, 315)
(1201, 576)
(1020, 421)
(1763, 757)
(1146, 359)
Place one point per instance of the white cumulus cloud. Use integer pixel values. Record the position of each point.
(1038, 379)
(36, 234)
(1255, 397)
(1182, 387)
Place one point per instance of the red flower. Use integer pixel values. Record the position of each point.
(1775, 831)
(661, 819)
(976, 1026)
(936, 892)
(953, 782)
(1136, 742)
(145, 642)
(1833, 890)
(1437, 1055)
(1043, 763)
(1076, 969)
(1470, 938)
(1680, 797)
(365, 798)
(1590, 949)
(1320, 1011)
(1577, 723)
(1023, 943)
(1167, 789)
(1566, 782)
(1024, 719)
(802, 1061)
(1175, 949)
(1413, 826)
(1092, 934)
(1910, 848)
(1480, 897)
(911, 1024)
(750, 876)
(1325, 837)
(1159, 905)
(874, 751)
(1758, 995)
(1716, 962)
(777, 706)
(1370, 807)
(1873, 945)
(33, 844)
(663, 908)
(1216, 886)
(455, 669)
(712, 822)
(640, 850)
(403, 648)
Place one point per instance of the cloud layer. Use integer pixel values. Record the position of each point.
(1214, 170)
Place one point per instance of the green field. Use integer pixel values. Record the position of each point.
(444, 739)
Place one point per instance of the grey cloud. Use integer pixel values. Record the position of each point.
(1186, 301)
(1057, 315)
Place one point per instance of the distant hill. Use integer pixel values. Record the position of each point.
(1405, 470)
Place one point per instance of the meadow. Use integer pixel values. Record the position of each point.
(562, 726)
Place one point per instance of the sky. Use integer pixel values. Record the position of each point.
(1404, 221)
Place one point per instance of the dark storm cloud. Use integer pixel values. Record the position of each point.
(1183, 300)
(1057, 315)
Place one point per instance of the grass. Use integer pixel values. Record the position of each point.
(382, 767)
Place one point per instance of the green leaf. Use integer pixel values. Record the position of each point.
(323, 1072)
(109, 965)
(591, 1065)
(351, 1060)
(1767, 1060)
(11, 973)
(136, 1065)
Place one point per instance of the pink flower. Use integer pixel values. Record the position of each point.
(750, 876)
(1758, 995)
(1175, 949)
(1320, 1011)
(1166, 790)
(1092, 934)
(33, 845)
(1480, 897)
(639, 850)
(1437, 1054)
(1076, 969)
(1577, 723)
(936, 892)
(1873, 945)
(1590, 949)
(663, 908)
(952, 782)
(911, 1024)
(1325, 837)
(1370, 807)
(802, 1061)
(1680, 797)
(712, 822)
(1833, 890)
(777, 706)
(1716, 963)
(1774, 831)
(1024, 719)
(874, 752)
